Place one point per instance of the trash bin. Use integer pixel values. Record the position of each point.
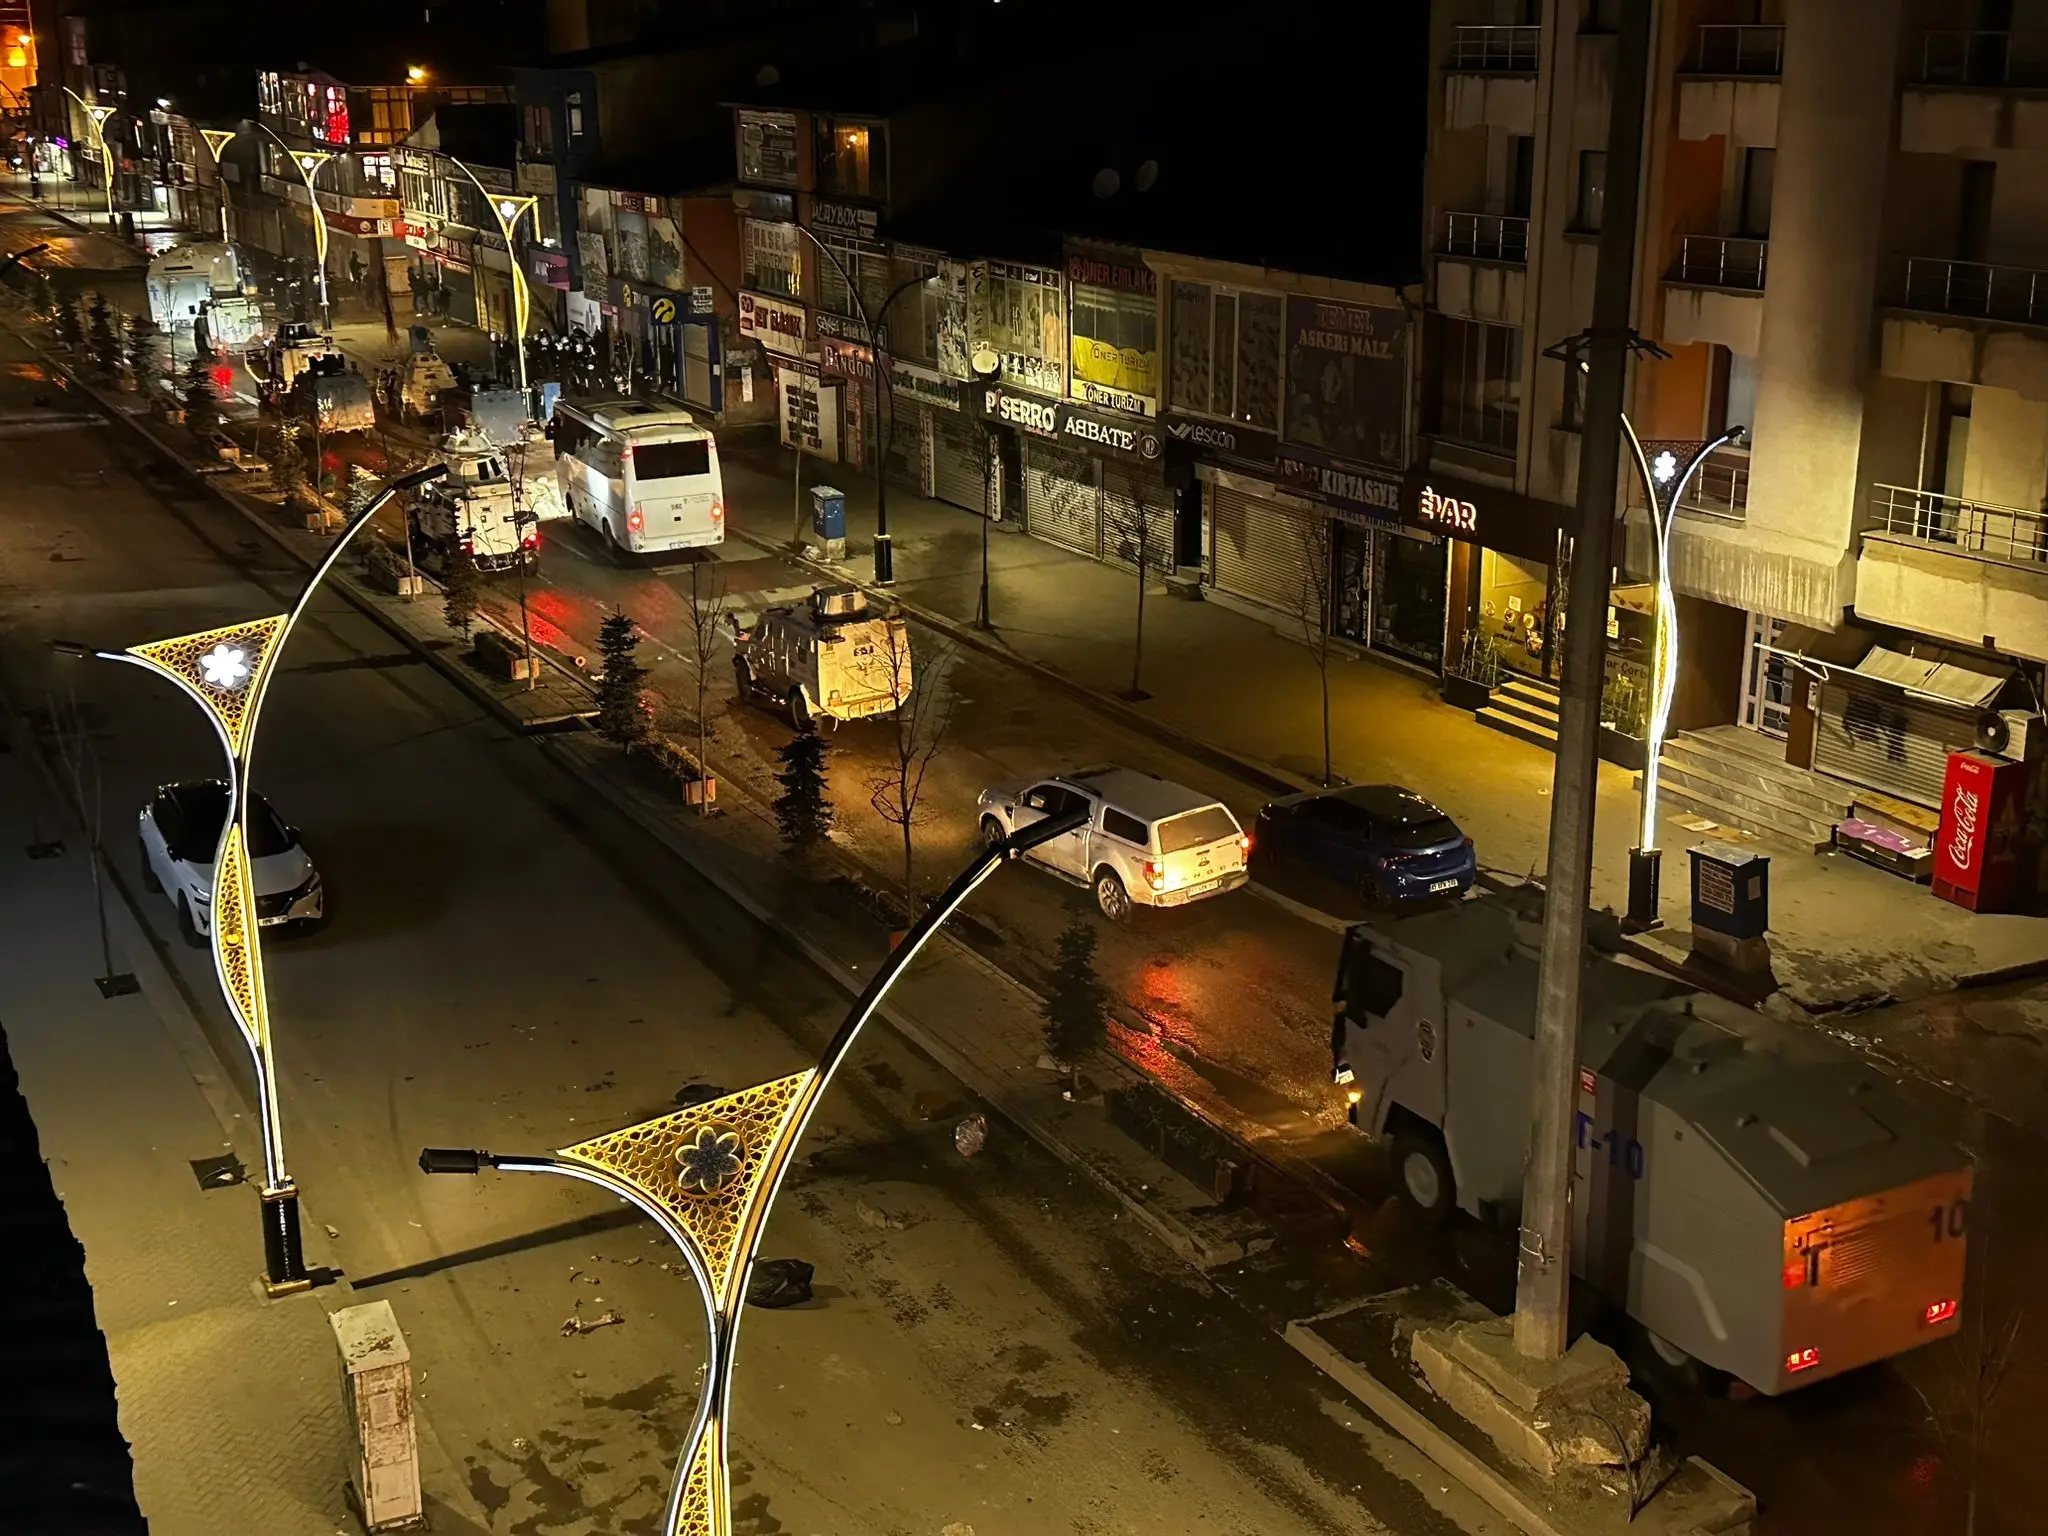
(828, 520)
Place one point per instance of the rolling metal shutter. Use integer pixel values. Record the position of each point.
(1060, 497)
(1122, 519)
(1257, 548)
(956, 461)
(697, 365)
(905, 439)
(1872, 734)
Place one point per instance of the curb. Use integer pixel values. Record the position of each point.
(1106, 705)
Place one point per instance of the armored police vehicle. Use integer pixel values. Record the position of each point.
(1756, 1198)
(828, 659)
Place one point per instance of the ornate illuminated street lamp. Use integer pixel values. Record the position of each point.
(708, 1176)
(216, 141)
(97, 115)
(227, 672)
(508, 210)
(1667, 468)
(308, 162)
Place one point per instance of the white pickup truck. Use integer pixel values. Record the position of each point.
(1147, 841)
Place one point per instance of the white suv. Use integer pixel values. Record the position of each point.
(1145, 841)
(180, 832)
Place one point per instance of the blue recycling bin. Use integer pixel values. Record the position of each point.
(828, 515)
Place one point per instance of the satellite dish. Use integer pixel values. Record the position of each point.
(1148, 176)
(1107, 183)
(769, 75)
(986, 361)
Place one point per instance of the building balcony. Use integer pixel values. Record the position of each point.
(1719, 489)
(1728, 84)
(1479, 269)
(1956, 569)
(1968, 322)
(1977, 91)
(1490, 78)
(1714, 292)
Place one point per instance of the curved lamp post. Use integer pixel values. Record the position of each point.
(1667, 469)
(227, 672)
(885, 553)
(216, 141)
(308, 162)
(508, 209)
(98, 116)
(708, 1176)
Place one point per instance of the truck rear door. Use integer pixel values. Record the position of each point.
(1198, 849)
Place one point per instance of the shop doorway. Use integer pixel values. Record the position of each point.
(1514, 607)
(1767, 679)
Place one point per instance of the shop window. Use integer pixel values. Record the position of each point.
(1226, 354)
(1114, 338)
(1027, 324)
(869, 271)
(1513, 603)
(1477, 397)
(768, 148)
(851, 158)
(773, 258)
(379, 172)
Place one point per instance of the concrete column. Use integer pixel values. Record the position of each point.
(2007, 461)
(1835, 125)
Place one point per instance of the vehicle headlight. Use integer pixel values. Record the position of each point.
(205, 895)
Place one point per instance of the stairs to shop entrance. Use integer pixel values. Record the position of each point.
(1740, 779)
(1523, 707)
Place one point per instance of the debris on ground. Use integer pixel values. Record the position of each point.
(971, 1135)
(881, 1221)
(779, 1283)
(576, 1323)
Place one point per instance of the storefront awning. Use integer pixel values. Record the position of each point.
(1939, 675)
(1821, 650)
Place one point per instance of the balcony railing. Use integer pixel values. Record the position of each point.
(1984, 58)
(1755, 52)
(1487, 236)
(1721, 261)
(1504, 49)
(2008, 533)
(1719, 488)
(2015, 294)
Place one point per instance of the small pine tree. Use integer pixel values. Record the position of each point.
(619, 717)
(288, 459)
(202, 403)
(144, 359)
(1076, 1011)
(105, 338)
(461, 591)
(42, 292)
(803, 811)
(70, 330)
(362, 486)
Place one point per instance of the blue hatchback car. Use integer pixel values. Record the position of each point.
(1385, 844)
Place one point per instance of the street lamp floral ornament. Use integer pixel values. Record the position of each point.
(226, 672)
(709, 1174)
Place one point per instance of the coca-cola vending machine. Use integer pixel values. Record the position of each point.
(1983, 823)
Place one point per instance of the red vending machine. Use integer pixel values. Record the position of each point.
(1983, 822)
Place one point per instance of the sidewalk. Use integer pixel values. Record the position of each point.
(1842, 933)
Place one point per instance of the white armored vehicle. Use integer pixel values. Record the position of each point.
(473, 507)
(1757, 1199)
(827, 659)
(203, 282)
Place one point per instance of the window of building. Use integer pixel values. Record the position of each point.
(74, 38)
(1477, 397)
(773, 258)
(1226, 354)
(1592, 198)
(1027, 325)
(1521, 178)
(1601, 16)
(540, 131)
(1758, 171)
(768, 148)
(1114, 337)
(573, 109)
(379, 172)
(1973, 210)
(1731, 393)
(851, 157)
(869, 271)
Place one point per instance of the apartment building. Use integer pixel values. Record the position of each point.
(1840, 223)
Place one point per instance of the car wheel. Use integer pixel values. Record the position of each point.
(1423, 1170)
(611, 540)
(1372, 890)
(1111, 896)
(799, 710)
(1675, 1365)
(150, 883)
(188, 929)
(991, 832)
(742, 677)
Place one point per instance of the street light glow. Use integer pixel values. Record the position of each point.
(225, 666)
(1664, 467)
(415, 73)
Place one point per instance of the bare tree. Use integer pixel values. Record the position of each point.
(1312, 611)
(922, 721)
(1130, 510)
(707, 620)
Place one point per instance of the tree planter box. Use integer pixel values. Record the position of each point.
(1464, 693)
(1630, 752)
(504, 657)
(1182, 1140)
(681, 769)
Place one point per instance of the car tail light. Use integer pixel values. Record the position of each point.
(1938, 1312)
(531, 541)
(635, 519)
(469, 546)
(1802, 1359)
(1155, 875)
(1244, 844)
(717, 511)
(1467, 842)
(1795, 1274)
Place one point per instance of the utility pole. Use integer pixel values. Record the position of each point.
(1543, 1275)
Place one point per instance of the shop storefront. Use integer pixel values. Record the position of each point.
(1503, 574)
(1092, 482)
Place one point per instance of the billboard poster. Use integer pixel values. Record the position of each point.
(1347, 368)
(664, 253)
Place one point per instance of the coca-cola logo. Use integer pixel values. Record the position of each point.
(1962, 843)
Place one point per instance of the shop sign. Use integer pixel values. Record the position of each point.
(768, 207)
(661, 309)
(597, 267)
(1347, 487)
(845, 224)
(1068, 424)
(1491, 516)
(839, 327)
(1018, 312)
(1117, 273)
(1446, 512)
(1229, 438)
(776, 324)
(768, 148)
(847, 360)
(417, 161)
(630, 202)
(701, 301)
(548, 268)
(1346, 379)
(925, 385)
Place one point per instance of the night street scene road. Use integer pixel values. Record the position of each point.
(1212, 770)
